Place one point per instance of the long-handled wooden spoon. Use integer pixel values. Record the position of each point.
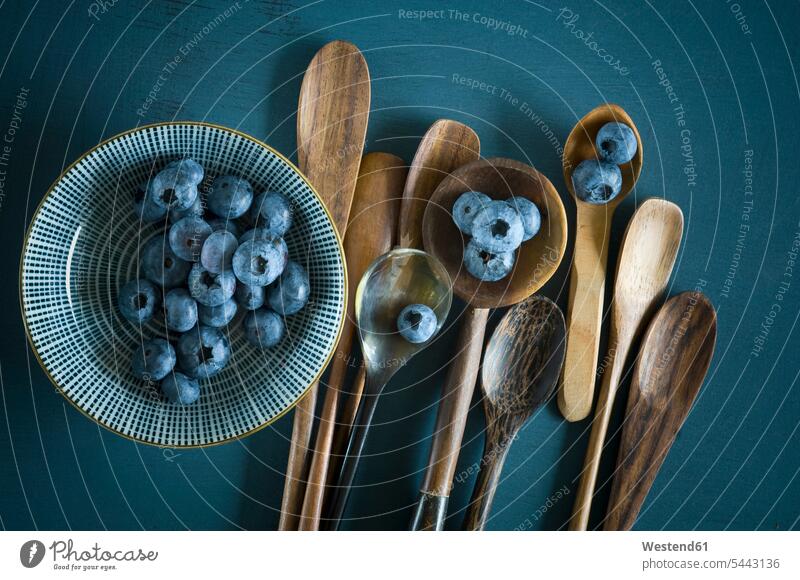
(520, 371)
(675, 355)
(588, 277)
(537, 261)
(331, 127)
(446, 146)
(395, 280)
(648, 254)
(370, 233)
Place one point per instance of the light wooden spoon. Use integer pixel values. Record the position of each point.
(446, 146)
(331, 127)
(676, 353)
(370, 233)
(588, 277)
(520, 372)
(648, 254)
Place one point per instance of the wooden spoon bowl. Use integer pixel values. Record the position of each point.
(537, 259)
(580, 145)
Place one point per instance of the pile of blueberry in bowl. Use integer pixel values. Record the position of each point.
(497, 228)
(220, 253)
(114, 291)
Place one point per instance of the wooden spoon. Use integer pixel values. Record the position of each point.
(520, 372)
(676, 353)
(331, 128)
(445, 146)
(370, 233)
(588, 278)
(648, 254)
(395, 280)
(537, 261)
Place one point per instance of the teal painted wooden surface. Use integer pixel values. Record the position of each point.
(714, 93)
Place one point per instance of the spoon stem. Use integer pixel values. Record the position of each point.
(358, 437)
(451, 419)
(617, 353)
(586, 293)
(494, 456)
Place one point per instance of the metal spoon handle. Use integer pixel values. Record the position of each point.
(358, 436)
(494, 456)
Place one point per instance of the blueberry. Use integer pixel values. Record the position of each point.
(596, 181)
(218, 250)
(230, 197)
(175, 186)
(203, 352)
(188, 169)
(138, 300)
(417, 323)
(259, 262)
(497, 228)
(272, 212)
(486, 266)
(178, 388)
(466, 207)
(211, 289)
(197, 209)
(220, 224)
(616, 143)
(255, 234)
(263, 328)
(144, 207)
(250, 297)
(187, 236)
(153, 360)
(180, 310)
(161, 265)
(529, 214)
(217, 316)
(290, 292)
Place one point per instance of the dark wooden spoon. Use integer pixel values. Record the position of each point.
(674, 360)
(332, 117)
(520, 371)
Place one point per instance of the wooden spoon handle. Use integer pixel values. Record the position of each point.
(341, 435)
(297, 466)
(494, 456)
(373, 219)
(358, 437)
(602, 416)
(450, 421)
(584, 316)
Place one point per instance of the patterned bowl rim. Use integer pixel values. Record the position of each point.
(258, 142)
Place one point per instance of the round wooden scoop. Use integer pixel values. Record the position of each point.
(537, 260)
(645, 264)
(520, 371)
(674, 360)
(588, 277)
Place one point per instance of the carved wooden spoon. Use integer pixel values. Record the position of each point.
(520, 371)
(676, 353)
(588, 277)
(645, 263)
(331, 127)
